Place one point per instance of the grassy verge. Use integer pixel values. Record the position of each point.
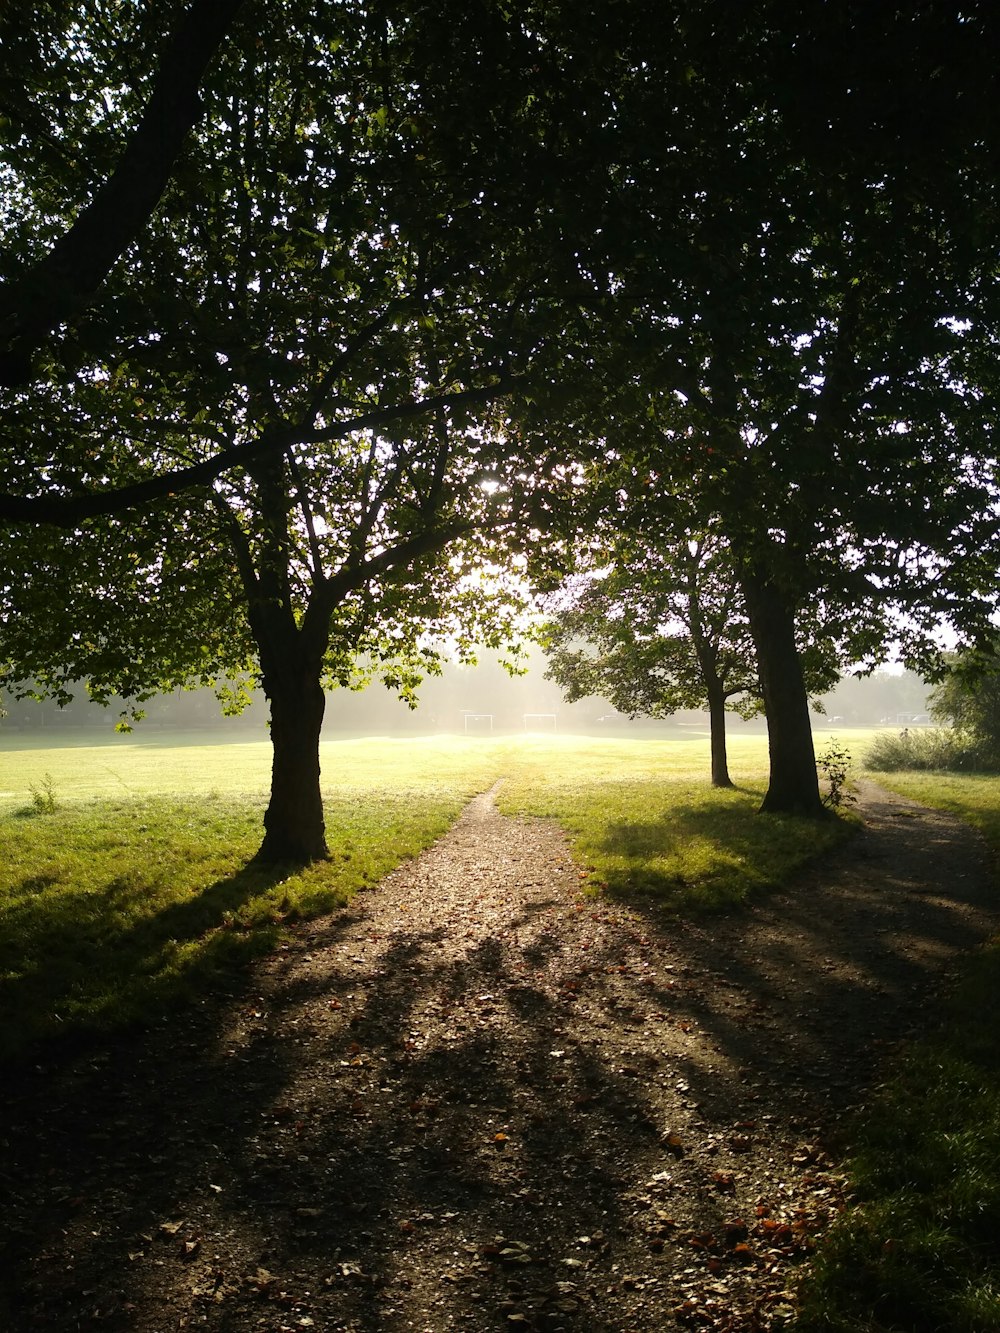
(920, 1253)
(115, 907)
(645, 822)
(124, 884)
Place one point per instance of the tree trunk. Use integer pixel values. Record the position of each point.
(294, 829)
(706, 650)
(793, 787)
(717, 723)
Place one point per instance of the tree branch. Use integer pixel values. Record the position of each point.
(62, 283)
(68, 511)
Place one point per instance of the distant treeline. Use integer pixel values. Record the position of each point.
(474, 699)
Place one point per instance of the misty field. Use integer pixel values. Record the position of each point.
(200, 763)
(126, 885)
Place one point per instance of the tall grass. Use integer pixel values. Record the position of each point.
(936, 748)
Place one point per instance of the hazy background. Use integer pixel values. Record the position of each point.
(475, 700)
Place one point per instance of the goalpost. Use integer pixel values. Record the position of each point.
(479, 721)
(534, 721)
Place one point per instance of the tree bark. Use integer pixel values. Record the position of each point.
(294, 828)
(706, 650)
(717, 724)
(793, 786)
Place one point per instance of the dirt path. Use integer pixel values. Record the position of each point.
(477, 1100)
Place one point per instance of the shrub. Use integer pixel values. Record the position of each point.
(835, 764)
(936, 748)
(43, 795)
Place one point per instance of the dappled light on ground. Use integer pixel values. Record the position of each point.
(478, 1098)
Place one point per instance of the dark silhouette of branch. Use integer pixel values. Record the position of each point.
(59, 286)
(66, 511)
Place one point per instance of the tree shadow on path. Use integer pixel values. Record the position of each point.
(475, 1095)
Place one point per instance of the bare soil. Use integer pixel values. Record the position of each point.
(478, 1099)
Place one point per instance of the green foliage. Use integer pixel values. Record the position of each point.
(658, 629)
(308, 340)
(835, 764)
(968, 698)
(779, 324)
(352, 231)
(929, 749)
(304, 283)
(43, 795)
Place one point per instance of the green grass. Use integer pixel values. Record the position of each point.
(134, 892)
(114, 906)
(920, 1253)
(645, 821)
(971, 796)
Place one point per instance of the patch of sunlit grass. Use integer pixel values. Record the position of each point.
(131, 889)
(921, 1250)
(112, 909)
(645, 821)
(191, 764)
(972, 797)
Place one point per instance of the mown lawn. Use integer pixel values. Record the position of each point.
(125, 888)
(134, 891)
(920, 1253)
(644, 819)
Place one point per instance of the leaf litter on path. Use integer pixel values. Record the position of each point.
(506, 1106)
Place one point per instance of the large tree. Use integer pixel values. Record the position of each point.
(660, 624)
(313, 303)
(793, 279)
(735, 267)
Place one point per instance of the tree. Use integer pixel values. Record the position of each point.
(656, 631)
(770, 309)
(313, 303)
(42, 48)
(968, 698)
(790, 295)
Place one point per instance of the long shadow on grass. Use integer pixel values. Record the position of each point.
(130, 969)
(306, 1154)
(805, 990)
(709, 857)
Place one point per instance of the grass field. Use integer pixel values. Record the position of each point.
(644, 819)
(124, 890)
(125, 886)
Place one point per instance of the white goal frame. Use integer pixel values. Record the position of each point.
(478, 717)
(538, 717)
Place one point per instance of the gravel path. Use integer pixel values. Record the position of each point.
(478, 1100)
